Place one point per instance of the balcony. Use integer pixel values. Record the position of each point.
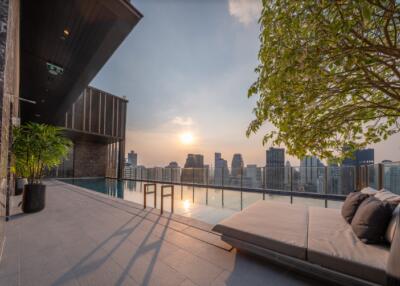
(96, 231)
(86, 238)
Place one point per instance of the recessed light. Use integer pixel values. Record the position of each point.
(54, 69)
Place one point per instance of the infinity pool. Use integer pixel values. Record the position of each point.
(206, 204)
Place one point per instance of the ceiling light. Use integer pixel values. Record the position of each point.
(54, 69)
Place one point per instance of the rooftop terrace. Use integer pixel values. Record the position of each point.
(87, 238)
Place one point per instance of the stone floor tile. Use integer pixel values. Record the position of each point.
(198, 270)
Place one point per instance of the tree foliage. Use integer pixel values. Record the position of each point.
(38, 147)
(329, 74)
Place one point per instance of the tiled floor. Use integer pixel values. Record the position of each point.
(85, 238)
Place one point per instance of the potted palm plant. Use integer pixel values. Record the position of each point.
(37, 148)
(20, 180)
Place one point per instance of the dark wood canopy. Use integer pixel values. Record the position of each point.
(63, 46)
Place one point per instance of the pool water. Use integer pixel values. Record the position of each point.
(206, 204)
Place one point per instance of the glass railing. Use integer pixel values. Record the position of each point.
(330, 180)
(311, 180)
(391, 177)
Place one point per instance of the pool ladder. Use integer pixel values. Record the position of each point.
(163, 195)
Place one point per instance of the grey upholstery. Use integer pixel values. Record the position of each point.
(276, 226)
(369, 191)
(385, 195)
(393, 267)
(389, 235)
(333, 244)
(315, 239)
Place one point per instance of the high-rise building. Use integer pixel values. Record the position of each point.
(221, 171)
(392, 177)
(172, 172)
(252, 176)
(275, 164)
(132, 158)
(237, 165)
(194, 161)
(360, 158)
(311, 174)
(194, 170)
(287, 178)
(172, 164)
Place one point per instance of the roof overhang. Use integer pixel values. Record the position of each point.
(64, 44)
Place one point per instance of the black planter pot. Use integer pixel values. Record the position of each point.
(34, 198)
(19, 186)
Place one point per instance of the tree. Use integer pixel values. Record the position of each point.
(329, 74)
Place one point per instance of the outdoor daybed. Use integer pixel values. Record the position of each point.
(316, 241)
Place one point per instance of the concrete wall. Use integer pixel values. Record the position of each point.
(9, 95)
(90, 159)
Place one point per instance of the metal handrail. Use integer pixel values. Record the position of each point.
(146, 192)
(167, 195)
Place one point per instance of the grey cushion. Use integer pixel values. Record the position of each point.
(333, 244)
(385, 195)
(276, 226)
(389, 234)
(351, 204)
(393, 268)
(371, 220)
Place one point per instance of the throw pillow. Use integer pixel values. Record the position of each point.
(350, 205)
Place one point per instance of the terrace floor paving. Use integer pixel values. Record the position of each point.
(86, 238)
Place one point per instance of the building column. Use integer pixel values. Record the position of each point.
(9, 97)
(121, 160)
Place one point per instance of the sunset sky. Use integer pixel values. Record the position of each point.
(185, 69)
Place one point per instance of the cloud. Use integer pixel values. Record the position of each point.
(246, 11)
(181, 121)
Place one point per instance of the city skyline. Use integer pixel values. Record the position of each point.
(274, 157)
(187, 90)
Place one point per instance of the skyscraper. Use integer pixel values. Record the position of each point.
(287, 175)
(221, 171)
(194, 170)
(252, 176)
(237, 165)
(172, 172)
(132, 158)
(194, 161)
(392, 178)
(311, 174)
(360, 157)
(275, 163)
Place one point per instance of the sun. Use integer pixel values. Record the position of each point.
(186, 138)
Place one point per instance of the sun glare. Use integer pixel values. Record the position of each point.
(186, 138)
(186, 205)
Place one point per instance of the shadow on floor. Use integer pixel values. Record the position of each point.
(83, 267)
